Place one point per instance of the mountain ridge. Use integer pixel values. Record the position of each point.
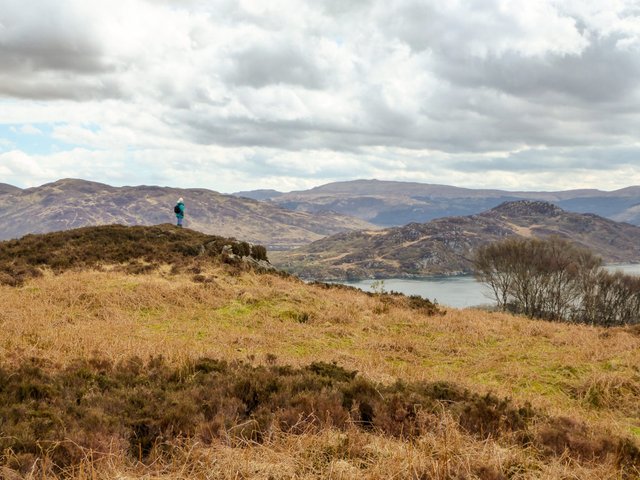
(72, 203)
(394, 203)
(5, 188)
(446, 245)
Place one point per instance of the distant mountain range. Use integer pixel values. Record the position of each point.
(387, 203)
(70, 203)
(445, 245)
(280, 221)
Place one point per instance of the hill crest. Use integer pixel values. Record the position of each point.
(527, 208)
(137, 249)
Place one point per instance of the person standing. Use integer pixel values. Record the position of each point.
(179, 211)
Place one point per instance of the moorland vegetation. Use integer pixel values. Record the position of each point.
(130, 249)
(164, 355)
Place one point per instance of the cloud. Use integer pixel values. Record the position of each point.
(308, 91)
(602, 72)
(45, 35)
(30, 130)
(482, 28)
(260, 66)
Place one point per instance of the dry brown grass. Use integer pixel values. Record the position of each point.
(588, 373)
(442, 455)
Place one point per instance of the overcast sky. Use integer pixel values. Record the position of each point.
(248, 94)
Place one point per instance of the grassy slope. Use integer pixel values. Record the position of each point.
(589, 374)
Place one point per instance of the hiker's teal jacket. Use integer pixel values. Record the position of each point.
(181, 214)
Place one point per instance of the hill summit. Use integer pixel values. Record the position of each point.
(132, 249)
(528, 208)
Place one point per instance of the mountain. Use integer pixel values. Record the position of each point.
(630, 215)
(71, 203)
(386, 203)
(444, 246)
(259, 194)
(7, 189)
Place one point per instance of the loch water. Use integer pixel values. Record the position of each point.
(459, 291)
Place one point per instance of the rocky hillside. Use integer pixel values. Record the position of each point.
(388, 203)
(444, 246)
(69, 203)
(6, 189)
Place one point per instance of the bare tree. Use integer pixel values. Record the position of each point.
(495, 266)
(610, 299)
(555, 279)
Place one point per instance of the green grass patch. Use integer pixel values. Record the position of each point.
(236, 310)
(163, 327)
(490, 378)
(147, 313)
(301, 349)
(568, 372)
(540, 387)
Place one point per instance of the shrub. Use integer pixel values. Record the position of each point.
(259, 252)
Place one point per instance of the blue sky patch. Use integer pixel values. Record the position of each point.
(32, 138)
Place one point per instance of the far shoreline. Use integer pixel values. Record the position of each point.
(629, 268)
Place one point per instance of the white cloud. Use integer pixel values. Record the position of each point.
(234, 95)
(30, 130)
(483, 28)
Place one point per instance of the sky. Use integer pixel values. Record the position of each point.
(290, 94)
